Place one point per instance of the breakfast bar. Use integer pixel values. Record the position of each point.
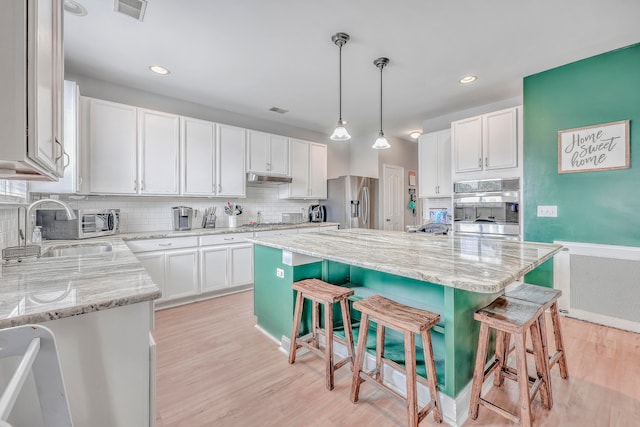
(449, 275)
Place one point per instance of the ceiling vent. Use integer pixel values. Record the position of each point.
(278, 110)
(132, 8)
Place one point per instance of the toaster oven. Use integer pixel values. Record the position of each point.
(88, 223)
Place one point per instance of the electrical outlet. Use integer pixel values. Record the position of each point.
(280, 273)
(548, 211)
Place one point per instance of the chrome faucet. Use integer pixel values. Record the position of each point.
(28, 226)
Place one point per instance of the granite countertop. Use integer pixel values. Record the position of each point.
(222, 230)
(49, 288)
(469, 263)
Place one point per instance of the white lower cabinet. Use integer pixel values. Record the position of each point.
(153, 262)
(214, 263)
(226, 261)
(181, 273)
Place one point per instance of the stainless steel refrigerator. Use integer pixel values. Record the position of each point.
(352, 201)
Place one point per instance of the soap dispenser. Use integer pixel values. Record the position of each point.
(36, 236)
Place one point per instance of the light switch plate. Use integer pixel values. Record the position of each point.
(548, 211)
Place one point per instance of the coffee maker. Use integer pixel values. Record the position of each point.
(317, 213)
(182, 217)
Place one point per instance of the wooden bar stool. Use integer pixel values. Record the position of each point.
(320, 292)
(510, 316)
(548, 299)
(409, 321)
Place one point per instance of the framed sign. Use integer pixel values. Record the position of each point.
(594, 148)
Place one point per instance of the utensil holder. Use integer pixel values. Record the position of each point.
(233, 221)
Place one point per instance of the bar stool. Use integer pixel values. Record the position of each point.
(510, 316)
(320, 292)
(409, 321)
(548, 299)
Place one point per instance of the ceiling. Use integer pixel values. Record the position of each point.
(246, 56)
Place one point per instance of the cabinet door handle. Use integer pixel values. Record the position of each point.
(61, 150)
(164, 244)
(479, 162)
(67, 163)
(229, 238)
(135, 185)
(142, 185)
(437, 189)
(486, 162)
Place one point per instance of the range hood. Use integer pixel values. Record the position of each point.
(267, 179)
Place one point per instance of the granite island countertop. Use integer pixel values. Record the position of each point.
(469, 263)
(49, 288)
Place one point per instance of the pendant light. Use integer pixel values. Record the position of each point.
(381, 143)
(340, 133)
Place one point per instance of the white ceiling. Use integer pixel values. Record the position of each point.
(246, 56)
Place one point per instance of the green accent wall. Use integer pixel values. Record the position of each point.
(594, 207)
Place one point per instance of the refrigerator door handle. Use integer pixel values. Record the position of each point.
(365, 207)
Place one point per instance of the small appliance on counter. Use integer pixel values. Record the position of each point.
(182, 218)
(317, 213)
(88, 223)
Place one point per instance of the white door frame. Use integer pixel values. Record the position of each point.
(392, 204)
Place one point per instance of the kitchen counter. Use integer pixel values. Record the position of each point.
(467, 263)
(222, 230)
(48, 288)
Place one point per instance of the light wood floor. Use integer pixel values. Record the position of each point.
(216, 369)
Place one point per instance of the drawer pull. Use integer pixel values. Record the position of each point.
(164, 244)
(229, 238)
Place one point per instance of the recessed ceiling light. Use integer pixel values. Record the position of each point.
(74, 8)
(415, 134)
(468, 79)
(159, 69)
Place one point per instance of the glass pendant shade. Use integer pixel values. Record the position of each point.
(381, 143)
(340, 133)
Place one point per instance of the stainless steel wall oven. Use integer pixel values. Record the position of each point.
(487, 208)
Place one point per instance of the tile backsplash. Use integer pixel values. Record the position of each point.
(139, 214)
(8, 226)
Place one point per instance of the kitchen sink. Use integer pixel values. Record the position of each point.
(78, 249)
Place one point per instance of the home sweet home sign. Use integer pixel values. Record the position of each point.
(594, 148)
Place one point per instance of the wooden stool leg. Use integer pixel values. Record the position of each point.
(410, 365)
(502, 352)
(360, 355)
(297, 318)
(478, 373)
(557, 335)
(348, 333)
(432, 377)
(523, 379)
(379, 353)
(315, 323)
(328, 330)
(542, 363)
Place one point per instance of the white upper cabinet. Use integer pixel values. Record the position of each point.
(308, 167)
(486, 143)
(317, 171)
(31, 84)
(198, 157)
(109, 134)
(159, 145)
(231, 176)
(267, 154)
(434, 154)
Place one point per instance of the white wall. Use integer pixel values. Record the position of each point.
(405, 154)
(364, 160)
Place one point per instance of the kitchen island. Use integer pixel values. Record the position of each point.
(100, 308)
(452, 276)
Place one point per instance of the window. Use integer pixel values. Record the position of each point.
(13, 191)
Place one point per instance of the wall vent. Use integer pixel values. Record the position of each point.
(132, 8)
(278, 110)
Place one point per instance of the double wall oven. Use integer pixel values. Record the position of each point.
(487, 208)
